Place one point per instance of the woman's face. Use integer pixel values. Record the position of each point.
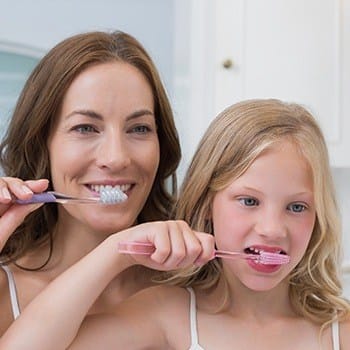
(269, 208)
(106, 134)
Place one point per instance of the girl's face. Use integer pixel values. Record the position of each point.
(105, 135)
(270, 208)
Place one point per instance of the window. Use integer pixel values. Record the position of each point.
(16, 63)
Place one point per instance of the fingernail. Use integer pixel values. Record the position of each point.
(26, 190)
(5, 193)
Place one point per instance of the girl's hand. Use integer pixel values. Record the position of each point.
(176, 245)
(11, 214)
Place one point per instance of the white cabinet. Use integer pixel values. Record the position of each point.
(294, 50)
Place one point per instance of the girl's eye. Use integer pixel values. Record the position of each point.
(140, 129)
(84, 128)
(249, 202)
(296, 207)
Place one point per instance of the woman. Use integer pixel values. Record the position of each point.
(93, 113)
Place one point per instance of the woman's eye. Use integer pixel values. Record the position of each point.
(141, 129)
(296, 207)
(249, 202)
(84, 128)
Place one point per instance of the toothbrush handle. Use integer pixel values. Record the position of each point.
(45, 197)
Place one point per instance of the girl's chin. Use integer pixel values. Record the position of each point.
(262, 286)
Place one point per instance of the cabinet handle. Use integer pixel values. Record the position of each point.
(227, 63)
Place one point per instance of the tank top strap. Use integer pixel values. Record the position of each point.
(193, 321)
(13, 291)
(335, 335)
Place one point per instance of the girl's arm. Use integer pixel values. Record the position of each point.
(52, 319)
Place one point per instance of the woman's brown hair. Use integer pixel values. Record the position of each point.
(24, 153)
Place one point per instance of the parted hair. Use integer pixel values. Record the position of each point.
(231, 144)
(24, 152)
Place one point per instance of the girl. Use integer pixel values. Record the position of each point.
(259, 182)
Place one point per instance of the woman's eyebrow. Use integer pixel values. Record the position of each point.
(93, 114)
(87, 112)
(139, 113)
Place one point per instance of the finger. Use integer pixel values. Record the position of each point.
(177, 245)
(14, 187)
(161, 240)
(208, 248)
(37, 186)
(12, 219)
(10, 186)
(5, 194)
(192, 244)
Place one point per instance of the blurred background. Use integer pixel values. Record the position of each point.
(210, 54)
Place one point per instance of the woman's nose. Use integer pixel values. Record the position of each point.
(113, 152)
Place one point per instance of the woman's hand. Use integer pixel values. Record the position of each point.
(12, 214)
(176, 245)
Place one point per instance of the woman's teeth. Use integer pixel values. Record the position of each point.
(99, 188)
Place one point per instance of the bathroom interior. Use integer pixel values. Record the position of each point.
(210, 54)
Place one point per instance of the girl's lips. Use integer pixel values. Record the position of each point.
(263, 268)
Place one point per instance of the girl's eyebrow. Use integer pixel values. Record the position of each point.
(94, 115)
(301, 193)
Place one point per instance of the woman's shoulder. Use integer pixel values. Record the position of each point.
(5, 303)
(157, 301)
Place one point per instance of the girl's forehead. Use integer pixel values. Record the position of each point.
(280, 164)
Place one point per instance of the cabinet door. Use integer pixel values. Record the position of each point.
(294, 50)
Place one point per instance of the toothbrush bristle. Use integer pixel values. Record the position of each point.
(112, 196)
(273, 258)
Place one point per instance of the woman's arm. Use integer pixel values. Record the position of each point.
(52, 319)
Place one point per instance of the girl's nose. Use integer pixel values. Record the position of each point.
(113, 152)
(271, 225)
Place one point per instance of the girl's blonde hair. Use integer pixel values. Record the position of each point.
(231, 144)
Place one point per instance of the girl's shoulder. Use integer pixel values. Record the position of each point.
(344, 333)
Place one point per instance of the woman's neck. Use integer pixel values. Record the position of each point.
(71, 241)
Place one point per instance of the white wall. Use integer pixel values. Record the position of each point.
(342, 177)
(43, 23)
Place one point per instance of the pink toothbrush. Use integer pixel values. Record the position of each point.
(265, 258)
